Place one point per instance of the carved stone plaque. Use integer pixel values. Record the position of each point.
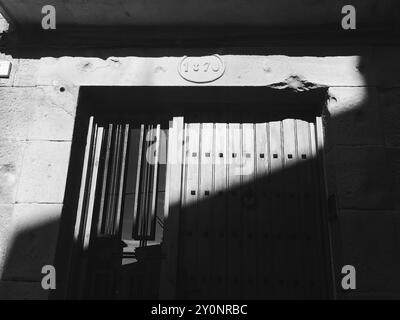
(201, 69)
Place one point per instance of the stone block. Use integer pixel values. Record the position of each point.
(32, 241)
(330, 172)
(11, 154)
(325, 71)
(390, 108)
(17, 107)
(386, 66)
(18, 290)
(40, 113)
(27, 73)
(393, 166)
(362, 178)
(6, 211)
(54, 113)
(354, 117)
(44, 172)
(370, 242)
(257, 70)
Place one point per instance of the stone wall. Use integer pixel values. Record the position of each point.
(35, 139)
(37, 108)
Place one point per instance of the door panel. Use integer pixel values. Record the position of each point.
(251, 222)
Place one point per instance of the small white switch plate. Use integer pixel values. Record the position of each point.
(5, 69)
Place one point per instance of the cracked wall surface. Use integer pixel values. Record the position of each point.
(38, 104)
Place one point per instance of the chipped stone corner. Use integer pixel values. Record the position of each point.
(296, 83)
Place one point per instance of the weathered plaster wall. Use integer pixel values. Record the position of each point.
(35, 138)
(362, 151)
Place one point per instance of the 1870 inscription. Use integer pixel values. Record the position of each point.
(201, 69)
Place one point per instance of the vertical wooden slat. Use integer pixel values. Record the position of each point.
(289, 139)
(219, 220)
(84, 183)
(235, 262)
(324, 226)
(290, 206)
(275, 142)
(313, 141)
(107, 202)
(311, 232)
(305, 214)
(150, 187)
(117, 180)
(191, 212)
(84, 262)
(92, 191)
(77, 261)
(248, 168)
(155, 158)
(249, 212)
(169, 268)
(313, 255)
(111, 186)
(124, 147)
(168, 167)
(317, 223)
(185, 235)
(161, 185)
(206, 192)
(273, 204)
(100, 222)
(146, 187)
(263, 227)
(143, 194)
(136, 208)
(319, 130)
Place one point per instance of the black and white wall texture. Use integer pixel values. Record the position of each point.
(199, 149)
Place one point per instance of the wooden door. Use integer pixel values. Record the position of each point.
(244, 207)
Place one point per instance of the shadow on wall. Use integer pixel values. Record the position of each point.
(362, 162)
(264, 239)
(32, 246)
(362, 165)
(105, 42)
(269, 231)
